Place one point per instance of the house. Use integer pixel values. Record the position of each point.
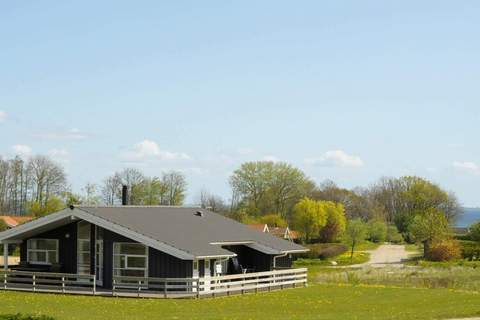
(284, 233)
(262, 227)
(13, 221)
(112, 244)
(281, 232)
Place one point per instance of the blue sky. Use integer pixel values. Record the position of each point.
(345, 90)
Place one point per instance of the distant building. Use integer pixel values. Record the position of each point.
(281, 232)
(13, 221)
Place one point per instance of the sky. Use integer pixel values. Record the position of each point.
(345, 90)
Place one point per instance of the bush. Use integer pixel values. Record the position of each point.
(393, 235)
(474, 233)
(470, 250)
(377, 231)
(323, 251)
(444, 250)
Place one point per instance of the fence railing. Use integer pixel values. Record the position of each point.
(155, 287)
(46, 281)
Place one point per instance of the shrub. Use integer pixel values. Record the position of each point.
(444, 250)
(470, 250)
(323, 251)
(475, 232)
(377, 231)
(393, 235)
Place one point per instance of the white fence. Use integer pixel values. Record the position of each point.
(156, 287)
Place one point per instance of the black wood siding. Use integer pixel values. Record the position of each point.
(162, 265)
(251, 259)
(67, 254)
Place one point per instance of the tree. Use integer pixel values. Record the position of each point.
(428, 226)
(47, 177)
(336, 221)
(110, 188)
(212, 202)
(273, 220)
(404, 197)
(176, 186)
(53, 204)
(377, 231)
(357, 203)
(355, 233)
(90, 195)
(3, 225)
(264, 187)
(475, 232)
(308, 218)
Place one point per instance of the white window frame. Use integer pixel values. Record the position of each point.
(81, 252)
(130, 255)
(46, 251)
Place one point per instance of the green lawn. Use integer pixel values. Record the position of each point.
(314, 302)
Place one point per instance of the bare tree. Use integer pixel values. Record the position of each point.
(109, 189)
(176, 185)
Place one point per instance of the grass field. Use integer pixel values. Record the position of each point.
(314, 302)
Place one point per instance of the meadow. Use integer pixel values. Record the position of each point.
(314, 302)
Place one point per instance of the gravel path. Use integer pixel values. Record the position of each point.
(388, 255)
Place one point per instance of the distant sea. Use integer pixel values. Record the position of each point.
(469, 216)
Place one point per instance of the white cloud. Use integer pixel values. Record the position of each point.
(72, 134)
(270, 158)
(22, 150)
(336, 158)
(3, 116)
(467, 166)
(150, 150)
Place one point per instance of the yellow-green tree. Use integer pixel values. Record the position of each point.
(53, 204)
(309, 218)
(273, 220)
(336, 221)
(428, 226)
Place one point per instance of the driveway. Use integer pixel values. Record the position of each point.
(387, 255)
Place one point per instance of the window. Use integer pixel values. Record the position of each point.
(130, 260)
(83, 247)
(207, 264)
(42, 251)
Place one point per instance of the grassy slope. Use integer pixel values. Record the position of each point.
(314, 302)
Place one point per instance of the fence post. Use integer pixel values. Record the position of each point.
(33, 282)
(113, 287)
(139, 288)
(94, 284)
(5, 281)
(198, 288)
(165, 288)
(63, 284)
(256, 285)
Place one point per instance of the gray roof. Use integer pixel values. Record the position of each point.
(183, 229)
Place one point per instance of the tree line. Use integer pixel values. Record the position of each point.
(261, 191)
(38, 186)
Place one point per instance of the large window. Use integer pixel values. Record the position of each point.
(130, 260)
(42, 251)
(83, 247)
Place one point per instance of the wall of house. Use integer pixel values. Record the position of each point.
(67, 254)
(251, 259)
(160, 264)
